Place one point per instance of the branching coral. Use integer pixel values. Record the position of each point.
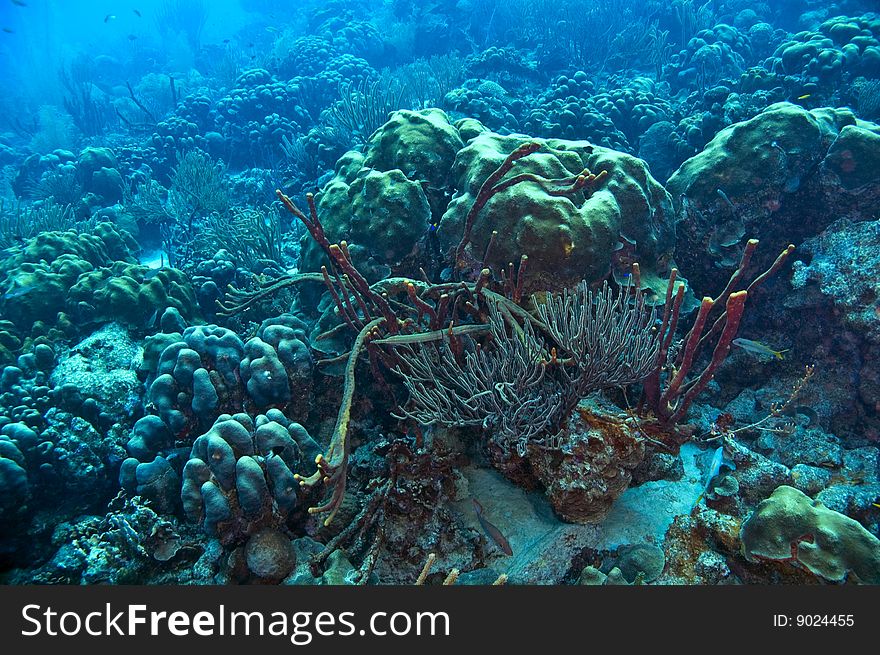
(368, 310)
(502, 388)
(364, 107)
(198, 185)
(250, 235)
(199, 190)
(524, 386)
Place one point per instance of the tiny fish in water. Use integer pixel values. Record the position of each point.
(9, 30)
(132, 37)
(804, 97)
(19, 3)
(109, 17)
(758, 348)
(491, 530)
(19, 292)
(717, 459)
(775, 144)
(153, 272)
(714, 470)
(726, 200)
(137, 13)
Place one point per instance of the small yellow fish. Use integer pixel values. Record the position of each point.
(876, 505)
(758, 348)
(805, 96)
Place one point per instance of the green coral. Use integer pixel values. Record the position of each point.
(384, 200)
(766, 155)
(853, 161)
(94, 277)
(123, 292)
(790, 526)
(423, 144)
(381, 214)
(10, 343)
(566, 237)
(417, 174)
(105, 245)
(781, 177)
(36, 291)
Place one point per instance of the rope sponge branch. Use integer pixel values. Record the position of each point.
(333, 467)
(237, 301)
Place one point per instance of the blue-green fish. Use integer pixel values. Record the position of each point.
(758, 348)
(714, 469)
(14, 292)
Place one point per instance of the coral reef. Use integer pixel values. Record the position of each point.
(567, 237)
(450, 292)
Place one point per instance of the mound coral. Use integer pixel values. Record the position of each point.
(240, 473)
(566, 236)
(790, 527)
(93, 277)
(413, 188)
(384, 201)
(781, 176)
